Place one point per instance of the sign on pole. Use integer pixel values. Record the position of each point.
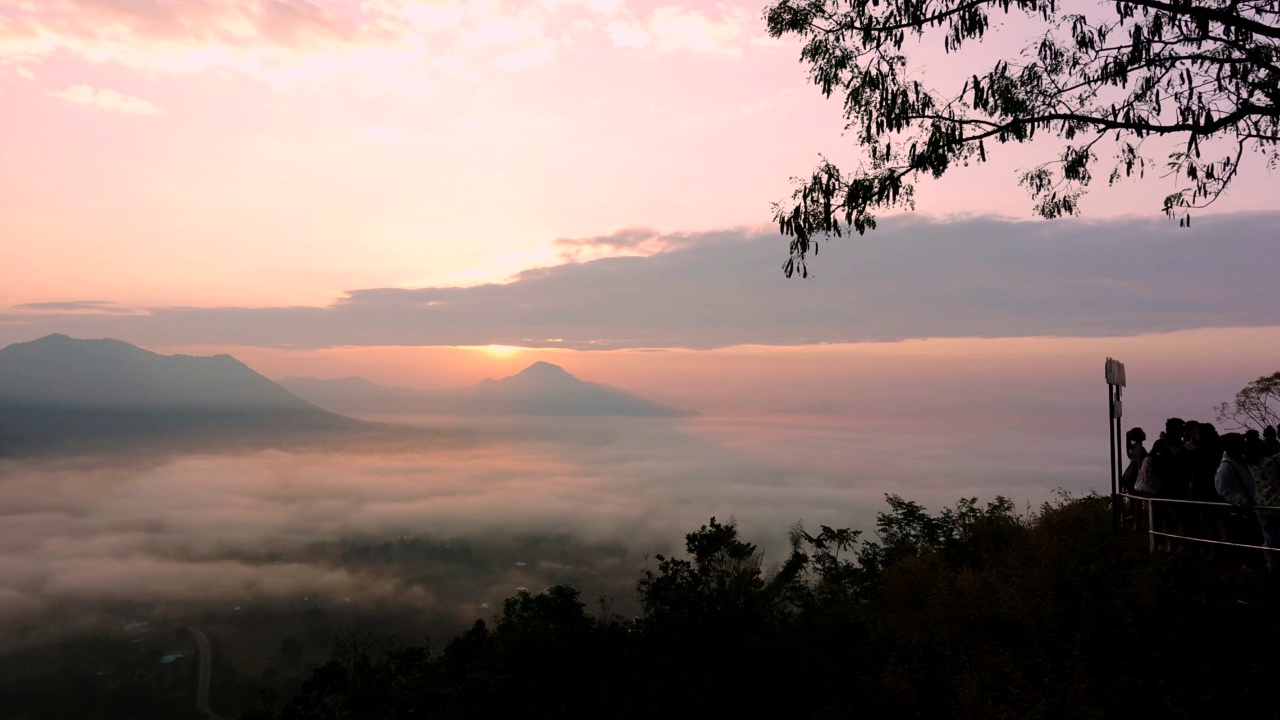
(1115, 372)
(1115, 411)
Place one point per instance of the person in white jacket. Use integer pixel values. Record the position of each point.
(1234, 482)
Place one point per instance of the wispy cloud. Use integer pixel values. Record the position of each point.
(104, 99)
(77, 306)
(722, 31)
(623, 243)
(912, 278)
(293, 40)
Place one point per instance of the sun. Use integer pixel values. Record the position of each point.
(501, 351)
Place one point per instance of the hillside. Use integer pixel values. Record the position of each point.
(59, 394)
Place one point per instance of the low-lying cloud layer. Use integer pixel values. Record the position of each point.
(78, 537)
(912, 278)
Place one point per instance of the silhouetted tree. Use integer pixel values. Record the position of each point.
(1205, 73)
(1256, 406)
(974, 612)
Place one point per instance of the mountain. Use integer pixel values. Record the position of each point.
(540, 389)
(58, 393)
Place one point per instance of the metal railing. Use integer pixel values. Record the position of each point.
(1238, 509)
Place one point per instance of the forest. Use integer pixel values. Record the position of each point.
(980, 611)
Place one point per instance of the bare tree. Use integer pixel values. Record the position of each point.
(1256, 406)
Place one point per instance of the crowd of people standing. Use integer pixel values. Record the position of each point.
(1190, 461)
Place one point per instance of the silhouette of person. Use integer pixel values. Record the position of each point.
(1136, 453)
(1235, 484)
(1204, 454)
(1233, 481)
(1266, 479)
(1269, 437)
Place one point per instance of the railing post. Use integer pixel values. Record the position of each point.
(1151, 526)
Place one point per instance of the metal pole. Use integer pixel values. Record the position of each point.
(1115, 480)
(1121, 456)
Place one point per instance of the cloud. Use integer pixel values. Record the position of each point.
(912, 278)
(171, 534)
(393, 42)
(103, 99)
(724, 31)
(279, 40)
(628, 242)
(76, 306)
(628, 34)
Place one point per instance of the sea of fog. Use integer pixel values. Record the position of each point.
(94, 543)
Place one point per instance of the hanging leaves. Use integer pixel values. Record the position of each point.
(1206, 72)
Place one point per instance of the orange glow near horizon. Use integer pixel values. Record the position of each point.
(501, 351)
(739, 378)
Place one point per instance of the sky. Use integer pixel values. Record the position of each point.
(430, 192)
(363, 188)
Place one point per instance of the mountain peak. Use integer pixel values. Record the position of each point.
(542, 388)
(57, 345)
(112, 373)
(543, 369)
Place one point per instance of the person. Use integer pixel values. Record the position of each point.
(1175, 481)
(1176, 473)
(1161, 477)
(1235, 484)
(1266, 479)
(1269, 437)
(1134, 510)
(1136, 453)
(1204, 455)
(1233, 480)
(1148, 481)
(1189, 429)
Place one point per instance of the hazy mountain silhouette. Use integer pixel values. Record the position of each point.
(58, 392)
(540, 389)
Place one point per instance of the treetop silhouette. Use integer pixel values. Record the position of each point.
(1205, 73)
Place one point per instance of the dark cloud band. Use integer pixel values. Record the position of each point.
(912, 278)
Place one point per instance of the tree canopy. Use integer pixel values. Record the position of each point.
(1256, 406)
(1104, 80)
(975, 612)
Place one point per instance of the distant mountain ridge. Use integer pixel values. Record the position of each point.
(59, 393)
(112, 373)
(540, 389)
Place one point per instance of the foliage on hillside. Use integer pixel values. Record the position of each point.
(976, 612)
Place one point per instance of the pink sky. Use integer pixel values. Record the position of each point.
(243, 152)
(249, 153)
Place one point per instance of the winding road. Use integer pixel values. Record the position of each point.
(206, 668)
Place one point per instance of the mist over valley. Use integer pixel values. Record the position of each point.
(246, 500)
